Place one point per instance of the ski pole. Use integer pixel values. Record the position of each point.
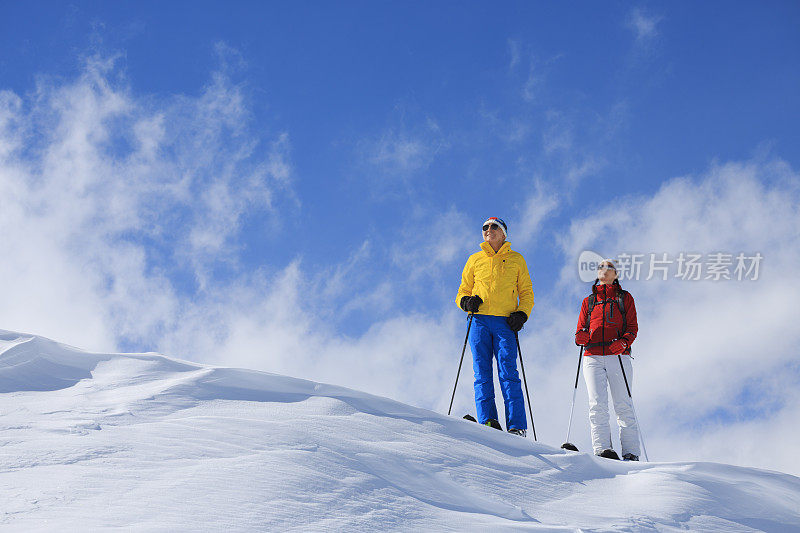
(641, 437)
(567, 444)
(525, 381)
(464, 349)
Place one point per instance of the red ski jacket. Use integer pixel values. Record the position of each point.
(605, 324)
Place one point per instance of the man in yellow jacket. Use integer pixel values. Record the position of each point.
(496, 288)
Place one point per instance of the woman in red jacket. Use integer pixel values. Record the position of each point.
(607, 327)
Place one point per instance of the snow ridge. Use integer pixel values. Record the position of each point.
(142, 441)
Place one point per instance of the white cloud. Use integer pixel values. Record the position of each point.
(513, 130)
(576, 162)
(430, 241)
(712, 358)
(112, 202)
(558, 136)
(514, 50)
(532, 84)
(281, 323)
(576, 169)
(537, 207)
(391, 163)
(107, 194)
(644, 26)
(401, 154)
(536, 73)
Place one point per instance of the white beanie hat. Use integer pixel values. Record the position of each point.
(609, 262)
(500, 223)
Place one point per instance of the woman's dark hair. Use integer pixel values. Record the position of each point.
(616, 282)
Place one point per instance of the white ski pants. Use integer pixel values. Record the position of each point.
(602, 372)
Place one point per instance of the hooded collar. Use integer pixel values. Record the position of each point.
(486, 247)
(605, 291)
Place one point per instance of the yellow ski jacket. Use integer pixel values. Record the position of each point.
(501, 280)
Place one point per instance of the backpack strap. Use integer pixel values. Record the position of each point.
(621, 304)
(592, 301)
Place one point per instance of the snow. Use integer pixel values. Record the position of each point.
(150, 443)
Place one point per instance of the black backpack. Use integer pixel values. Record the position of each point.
(620, 299)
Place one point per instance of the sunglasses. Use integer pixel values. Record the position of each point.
(606, 267)
(487, 226)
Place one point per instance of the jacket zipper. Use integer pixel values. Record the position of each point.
(603, 327)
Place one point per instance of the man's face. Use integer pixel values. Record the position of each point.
(493, 234)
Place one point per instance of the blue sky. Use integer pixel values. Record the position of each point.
(296, 186)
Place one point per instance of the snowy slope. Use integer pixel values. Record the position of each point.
(148, 443)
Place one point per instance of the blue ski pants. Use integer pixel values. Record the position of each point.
(491, 338)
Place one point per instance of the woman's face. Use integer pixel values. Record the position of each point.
(493, 235)
(606, 273)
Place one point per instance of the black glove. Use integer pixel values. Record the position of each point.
(470, 304)
(516, 320)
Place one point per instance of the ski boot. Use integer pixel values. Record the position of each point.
(492, 423)
(609, 454)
